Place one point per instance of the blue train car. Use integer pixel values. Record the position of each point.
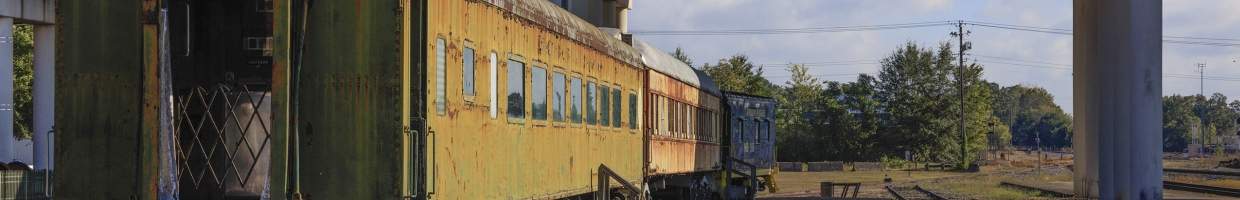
(751, 148)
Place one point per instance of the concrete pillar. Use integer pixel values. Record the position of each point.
(1117, 98)
(44, 98)
(6, 89)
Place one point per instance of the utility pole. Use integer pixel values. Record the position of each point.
(1201, 127)
(964, 138)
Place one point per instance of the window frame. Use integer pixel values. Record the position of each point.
(617, 106)
(440, 52)
(493, 83)
(604, 101)
(591, 104)
(523, 112)
(634, 104)
(559, 95)
(577, 99)
(469, 91)
(533, 86)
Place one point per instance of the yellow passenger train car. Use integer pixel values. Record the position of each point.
(526, 101)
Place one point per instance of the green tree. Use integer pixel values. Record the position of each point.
(680, 54)
(737, 74)
(1031, 113)
(23, 76)
(922, 103)
(1179, 122)
(792, 127)
(847, 118)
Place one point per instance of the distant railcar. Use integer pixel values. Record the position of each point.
(684, 127)
(752, 131)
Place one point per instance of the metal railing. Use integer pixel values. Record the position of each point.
(222, 133)
(752, 175)
(23, 184)
(605, 175)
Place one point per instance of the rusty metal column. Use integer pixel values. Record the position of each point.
(6, 89)
(44, 94)
(1117, 98)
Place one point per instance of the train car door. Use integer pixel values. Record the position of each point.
(414, 87)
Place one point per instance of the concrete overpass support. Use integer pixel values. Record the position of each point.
(1117, 98)
(6, 89)
(44, 98)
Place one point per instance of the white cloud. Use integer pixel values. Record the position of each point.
(1206, 18)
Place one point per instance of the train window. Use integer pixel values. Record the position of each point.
(440, 61)
(467, 72)
(615, 107)
(494, 81)
(757, 132)
(701, 130)
(604, 99)
(632, 110)
(738, 128)
(754, 136)
(665, 122)
(516, 89)
(557, 97)
(591, 99)
(691, 122)
(575, 88)
(674, 116)
(538, 92)
(688, 119)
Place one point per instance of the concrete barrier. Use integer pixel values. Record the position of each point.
(867, 166)
(791, 167)
(825, 166)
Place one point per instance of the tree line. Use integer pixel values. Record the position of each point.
(1197, 119)
(911, 108)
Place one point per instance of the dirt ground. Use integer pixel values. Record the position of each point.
(1016, 166)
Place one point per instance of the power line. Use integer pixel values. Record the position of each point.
(819, 75)
(823, 62)
(1019, 60)
(829, 29)
(1186, 40)
(1166, 39)
(1069, 68)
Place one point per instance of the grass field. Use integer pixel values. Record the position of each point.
(983, 185)
(1018, 167)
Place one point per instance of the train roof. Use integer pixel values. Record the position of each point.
(665, 63)
(555, 19)
(742, 94)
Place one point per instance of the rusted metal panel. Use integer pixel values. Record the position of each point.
(280, 75)
(349, 122)
(678, 152)
(670, 87)
(104, 143)
(678, 156)
(475, 156)
(552, 18)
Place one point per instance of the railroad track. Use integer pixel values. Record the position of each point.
(915, 192)
(1231, 192)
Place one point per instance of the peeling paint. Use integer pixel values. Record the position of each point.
(525, 159)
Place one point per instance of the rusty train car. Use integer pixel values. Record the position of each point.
(388, 99)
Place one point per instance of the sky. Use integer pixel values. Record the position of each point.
(1010, 57)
